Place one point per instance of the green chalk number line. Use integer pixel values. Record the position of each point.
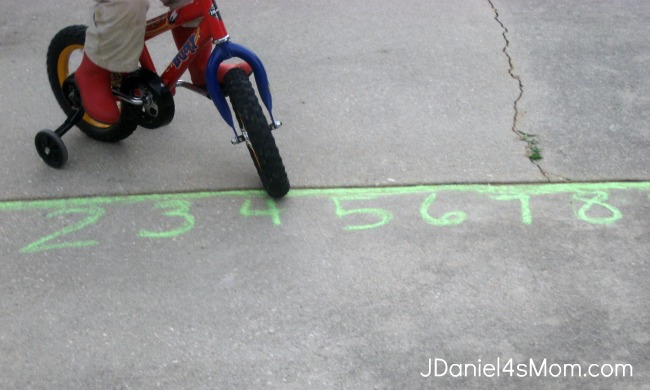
(356, 208)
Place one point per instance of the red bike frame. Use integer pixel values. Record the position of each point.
(211, 30)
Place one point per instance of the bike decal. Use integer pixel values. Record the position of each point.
(189, 48)
(156, 23)
(214, 11)
(173, 16)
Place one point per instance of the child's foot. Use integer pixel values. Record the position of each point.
(200, 64)
(94, 85)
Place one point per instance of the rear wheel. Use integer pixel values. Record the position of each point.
(259, 139)
(63, 57)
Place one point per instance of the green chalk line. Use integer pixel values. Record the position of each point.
(516, 190)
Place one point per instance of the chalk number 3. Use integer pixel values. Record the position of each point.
(177, 209)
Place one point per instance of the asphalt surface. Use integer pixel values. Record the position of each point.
(418, 230)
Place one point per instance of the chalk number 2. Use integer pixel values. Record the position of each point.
(93, 214)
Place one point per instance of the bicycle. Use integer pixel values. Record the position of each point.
(147, 99)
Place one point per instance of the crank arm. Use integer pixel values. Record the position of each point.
(132, 100)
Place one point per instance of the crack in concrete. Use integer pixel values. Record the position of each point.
(532, 144)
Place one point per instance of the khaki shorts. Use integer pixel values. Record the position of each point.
(115, 35)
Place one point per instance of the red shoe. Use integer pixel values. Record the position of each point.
(200, 64)
(94, 84)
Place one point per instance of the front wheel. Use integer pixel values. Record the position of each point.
(259, 139)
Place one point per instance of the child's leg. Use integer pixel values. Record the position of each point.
(114, 42)
(115, 37)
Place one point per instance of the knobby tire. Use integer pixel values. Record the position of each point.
(262, 147)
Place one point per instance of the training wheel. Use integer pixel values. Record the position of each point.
(51, 148)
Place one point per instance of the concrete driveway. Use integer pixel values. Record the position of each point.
(420, 246)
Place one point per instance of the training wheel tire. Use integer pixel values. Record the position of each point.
(51, 148)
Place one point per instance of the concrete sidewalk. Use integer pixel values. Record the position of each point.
(418, 229)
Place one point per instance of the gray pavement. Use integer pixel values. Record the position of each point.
(417, 230)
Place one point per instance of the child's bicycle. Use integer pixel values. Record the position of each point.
(146, 98)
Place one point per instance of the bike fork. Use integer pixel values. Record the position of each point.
(227, 50)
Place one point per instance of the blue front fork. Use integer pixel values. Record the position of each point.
(227, 50)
